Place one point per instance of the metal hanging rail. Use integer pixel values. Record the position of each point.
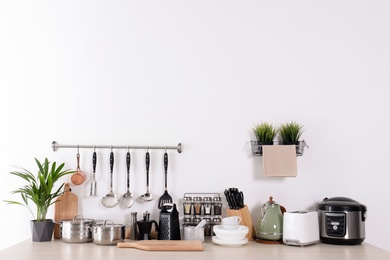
(55, 147)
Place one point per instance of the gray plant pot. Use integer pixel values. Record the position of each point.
(42, 230)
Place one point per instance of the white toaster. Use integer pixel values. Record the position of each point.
(300, 228)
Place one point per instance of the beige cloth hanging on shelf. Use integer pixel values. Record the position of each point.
(280, 160)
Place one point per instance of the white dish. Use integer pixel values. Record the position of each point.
(230, 234)
(221, 242)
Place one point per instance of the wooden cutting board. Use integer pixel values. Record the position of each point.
(164, 245)
(65, 208)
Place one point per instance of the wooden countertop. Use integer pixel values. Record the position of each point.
(58, 250)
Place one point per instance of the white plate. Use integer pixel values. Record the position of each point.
(221, 242)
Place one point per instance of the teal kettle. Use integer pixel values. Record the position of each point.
(270, 223)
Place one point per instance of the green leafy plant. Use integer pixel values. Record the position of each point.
(265, 132)
(39, 188)
(291, 132)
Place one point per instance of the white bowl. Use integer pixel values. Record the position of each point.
(231, 234)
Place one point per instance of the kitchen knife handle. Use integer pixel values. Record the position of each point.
(228, 199)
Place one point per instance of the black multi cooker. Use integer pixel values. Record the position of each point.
(342, 221)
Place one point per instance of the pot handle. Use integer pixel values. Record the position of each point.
(77, 217)
(108, 222)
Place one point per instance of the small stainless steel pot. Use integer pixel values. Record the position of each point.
(108, 233)
(77, 230)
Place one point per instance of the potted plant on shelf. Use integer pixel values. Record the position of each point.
(40, 190)
(291, 133)
(265, 134)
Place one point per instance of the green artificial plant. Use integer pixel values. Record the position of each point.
(265, 132)
(40, 188)
(291, 132)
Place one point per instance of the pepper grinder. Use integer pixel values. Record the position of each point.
(133, 226)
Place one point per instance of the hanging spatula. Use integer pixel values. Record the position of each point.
(165, 198)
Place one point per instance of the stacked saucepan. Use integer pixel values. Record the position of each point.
(79, 230)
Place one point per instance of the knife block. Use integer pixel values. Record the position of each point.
(246, 220)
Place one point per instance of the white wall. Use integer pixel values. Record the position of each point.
(201, 73)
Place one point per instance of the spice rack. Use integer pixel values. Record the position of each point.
(199, 206)
(257, 149)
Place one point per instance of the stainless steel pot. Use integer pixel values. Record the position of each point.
(108, 233)
(77, 230)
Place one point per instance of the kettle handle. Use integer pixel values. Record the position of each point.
(282, 209)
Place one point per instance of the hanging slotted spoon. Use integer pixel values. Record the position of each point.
(147, 196)
(165, 198)
(128, 197)
(110, 200)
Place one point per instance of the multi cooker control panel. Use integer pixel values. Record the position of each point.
(335, 224)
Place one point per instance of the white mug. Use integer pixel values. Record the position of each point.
(233, 220)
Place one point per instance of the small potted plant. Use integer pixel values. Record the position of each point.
(40, 190)
(265, 134)
(291, 133)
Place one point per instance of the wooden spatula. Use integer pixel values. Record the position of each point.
(164, 245)
(65, 208)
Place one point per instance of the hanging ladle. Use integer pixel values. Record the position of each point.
(128, 197)
(110, 200)
(147, 196)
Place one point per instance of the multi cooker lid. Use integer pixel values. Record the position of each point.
(340, 204)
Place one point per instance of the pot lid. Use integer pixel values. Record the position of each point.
(340, 204)
(107, 224)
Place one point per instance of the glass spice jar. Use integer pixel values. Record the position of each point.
(207, 205)
(207, 227)
(216, 221)
(217, 206)
(187, 222)
(195, 221)
(197, 203)
(187, 205)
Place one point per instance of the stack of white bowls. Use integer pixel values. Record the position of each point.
(230, 233)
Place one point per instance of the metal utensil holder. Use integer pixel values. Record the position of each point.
(257, 147)
(55, 146)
